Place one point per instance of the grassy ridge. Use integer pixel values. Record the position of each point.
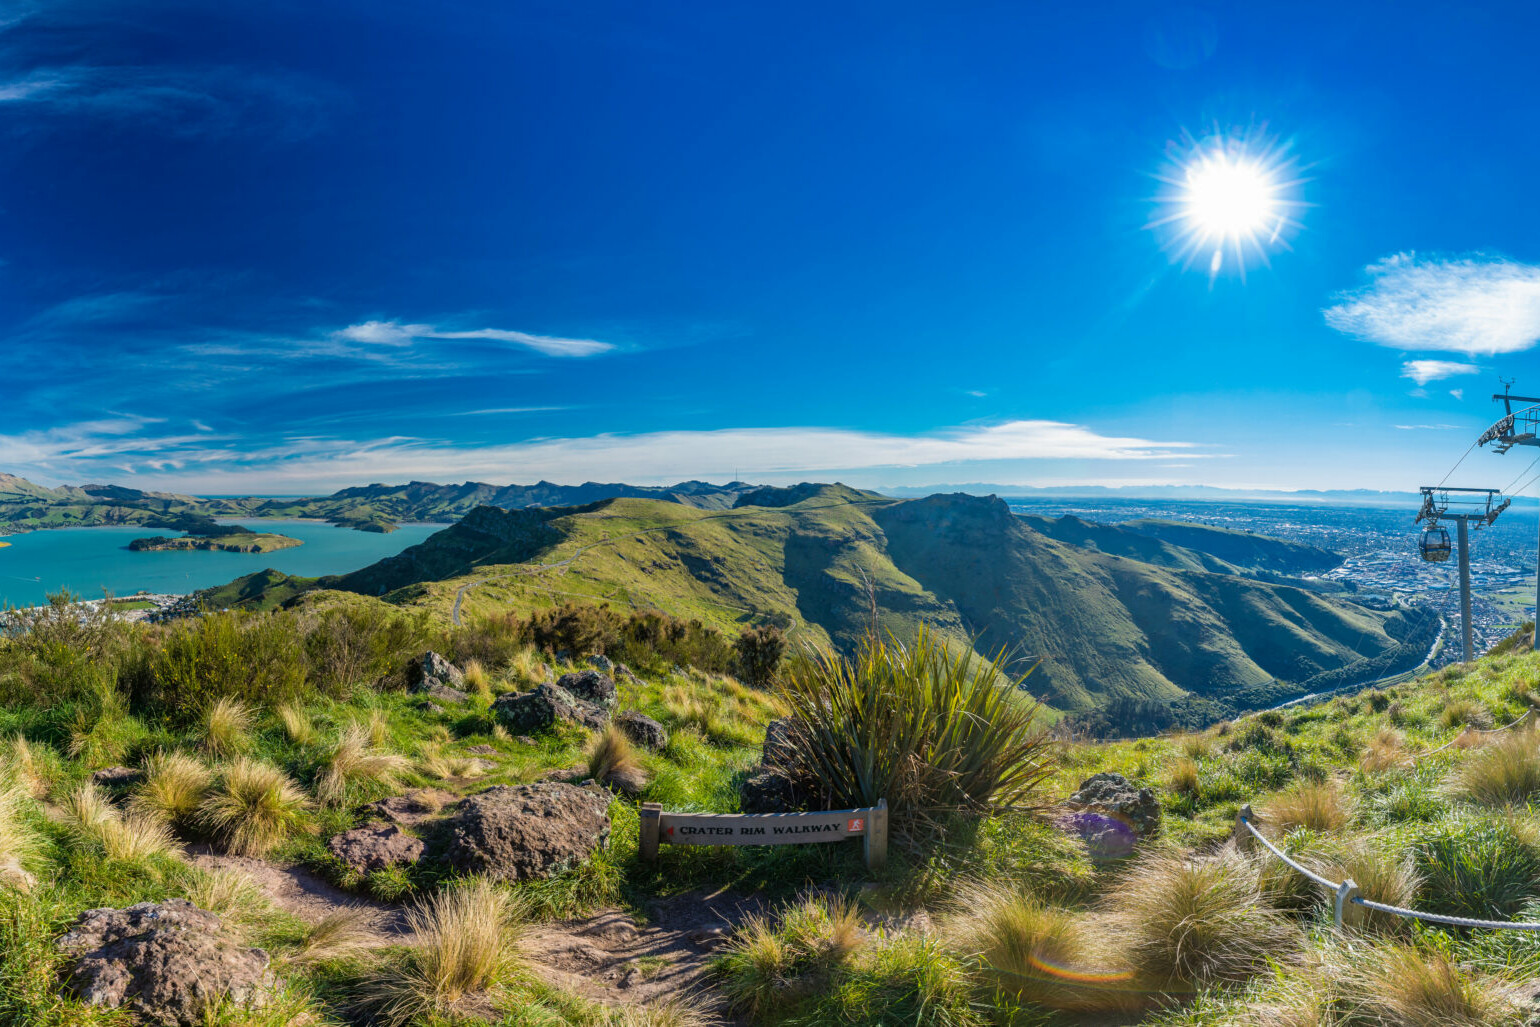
(1101, 626)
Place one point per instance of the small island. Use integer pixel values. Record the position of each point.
(207, 534)
(236, 542)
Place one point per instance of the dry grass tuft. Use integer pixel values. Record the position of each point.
(1039, 954)
(672, 1013)
(1196, 922)
(379, 728)
(297, 724)
(1183, 777)
(1319, 806)
(1505, 773)
(477, 680)
(449, 767)
(18, 841)
(131, 838)
(354, 760)
(24, 765)
(226, 727)
(467, 942)
(254, 808)
(235, 896)
(1380, 875)
(175, 785)
(338, 933)
(1401, 985)
(612, 760)
(773, 960)
(1386, 751)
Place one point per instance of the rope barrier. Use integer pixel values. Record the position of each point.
(1346, 892)
(1488, 731)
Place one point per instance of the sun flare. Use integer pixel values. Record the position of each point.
(1228, 202)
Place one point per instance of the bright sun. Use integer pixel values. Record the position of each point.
(1229, 202)
(1229, 199)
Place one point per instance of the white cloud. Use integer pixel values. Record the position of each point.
(78, 453)
(1424, 371)
(1427, 427)
(1477, 305)
(1457, 393)
(393, 333)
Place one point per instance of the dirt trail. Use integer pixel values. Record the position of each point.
(612, 958)
(301, 893)
(609, 957)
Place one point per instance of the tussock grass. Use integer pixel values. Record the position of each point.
(447, 766)
(773, 960)
(1385, 751)
(1400, 985)
(1044, 955)
(175, 785)
(254, 808)
(932, 731)
(353, 760)
(18, 841)
(338, 933)
(230, 893)
(1381, 875)
(1182, 778)
(1504, 773)
(226, 727)
(1318, 806)
(130, 838)
(672, 1013)
(297, 725)
(1478, 867)
(477, 680)
(467, 942)
(612, 760)
(1465, 713)
(379, 728)
(26, 767)
(1196, 922)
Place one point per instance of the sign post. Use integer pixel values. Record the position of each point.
(870, 824)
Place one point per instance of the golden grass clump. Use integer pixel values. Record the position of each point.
(226, 727)
(24, 766)
(338, 933)
(379, 728)
(131, 838)
(1465, 713)
(671, 1013)
(1399, 984)
(175, 785)
(1196, 922)
(1182, 778)
(467, 941)
(1039, 954)
(1381, 876)
(233, 895)
(297, 724)
(612, 760)
(477, 680)
(1316, 805)
(448, 767)
(773, 959)
(355, 759)
(1385, 751)
(1195, 746)
(254, 808)
(18, 841)
(1505, 773)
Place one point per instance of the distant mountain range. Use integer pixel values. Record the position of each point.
(1149, 610)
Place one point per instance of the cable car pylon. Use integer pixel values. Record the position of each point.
(1519, 427)
(1442, 503)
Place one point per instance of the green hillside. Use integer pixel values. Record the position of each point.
(1241, 549)
(1150, 620)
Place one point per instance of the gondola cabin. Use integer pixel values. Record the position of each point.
(1434, 544)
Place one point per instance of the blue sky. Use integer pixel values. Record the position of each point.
(288, 247)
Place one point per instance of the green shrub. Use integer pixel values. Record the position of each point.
(349, 645)
(254, 658)
(930, 731)
(758, 653)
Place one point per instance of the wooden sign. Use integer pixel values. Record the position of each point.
(869, 824)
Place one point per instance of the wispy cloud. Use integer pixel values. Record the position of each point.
(198, 463)
(1428, 427)
(185, 101)
(393, 333)
(1424, 371)
(1477, 305)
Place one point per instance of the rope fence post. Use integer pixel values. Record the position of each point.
(1346, 909)
(1243, 842)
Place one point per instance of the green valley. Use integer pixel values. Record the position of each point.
(1105, 614)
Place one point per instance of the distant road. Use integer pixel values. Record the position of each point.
(1315, 697)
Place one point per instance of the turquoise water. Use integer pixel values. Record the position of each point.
(88, 561)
